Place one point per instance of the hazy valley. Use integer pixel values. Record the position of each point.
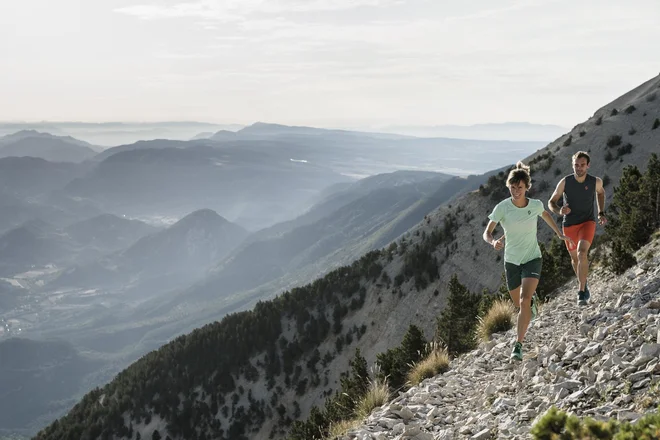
(110, 253)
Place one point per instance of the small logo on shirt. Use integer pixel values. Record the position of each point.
(586, 187)
(529, 212)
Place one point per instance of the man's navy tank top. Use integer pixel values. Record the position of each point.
(580, 198)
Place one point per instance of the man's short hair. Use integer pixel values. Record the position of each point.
(580, 154)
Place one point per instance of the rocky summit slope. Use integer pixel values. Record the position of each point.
(599, 361)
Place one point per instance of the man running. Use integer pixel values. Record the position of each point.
(579, 190)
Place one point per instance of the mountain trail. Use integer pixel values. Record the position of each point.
(600, 360)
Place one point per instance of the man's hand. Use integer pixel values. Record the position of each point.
(602, 220)
(499, 244)
(565, 210)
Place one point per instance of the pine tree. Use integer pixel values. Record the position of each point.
(635, 213)
(651, 192)
(457, 322)
(357, 383)
(396, 362)
(557, 267)
(620, 259)
(413, 344)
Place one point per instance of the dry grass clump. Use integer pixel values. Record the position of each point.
(500, 318)
(339, 429)
(435, 363)
(377, 395)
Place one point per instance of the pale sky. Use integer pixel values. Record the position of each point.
(323, 62)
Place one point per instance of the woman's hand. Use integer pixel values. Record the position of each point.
(565, 238)
(499, 244)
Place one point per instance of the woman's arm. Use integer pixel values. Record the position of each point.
(551, 222)
(488, 236)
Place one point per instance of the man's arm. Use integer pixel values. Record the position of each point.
(600, 194)
(600, 200)
(552, 203)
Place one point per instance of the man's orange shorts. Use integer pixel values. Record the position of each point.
(583, 231)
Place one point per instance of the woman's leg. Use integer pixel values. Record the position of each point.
(525, 314)
(513, 275)
(515, 296)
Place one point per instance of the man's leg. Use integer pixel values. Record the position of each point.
(586, 236)
(574, 261)
(572, 231)
(583, 262)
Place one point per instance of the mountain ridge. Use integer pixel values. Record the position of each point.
(46, 146)
(183, 250)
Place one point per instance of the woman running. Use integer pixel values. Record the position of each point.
(522, 255)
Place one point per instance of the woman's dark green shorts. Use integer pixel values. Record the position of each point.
(515, 273)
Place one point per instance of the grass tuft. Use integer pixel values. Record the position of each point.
(499, 318)
(435, 363)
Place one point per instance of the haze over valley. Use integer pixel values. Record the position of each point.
(107, 253)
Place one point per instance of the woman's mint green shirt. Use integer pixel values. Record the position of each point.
(520, 225)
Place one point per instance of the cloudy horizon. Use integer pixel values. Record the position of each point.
(323, 62)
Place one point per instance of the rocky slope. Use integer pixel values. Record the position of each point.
(599, 361)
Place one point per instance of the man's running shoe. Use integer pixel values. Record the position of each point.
(587, 294)
(582, 298)
(516, 353)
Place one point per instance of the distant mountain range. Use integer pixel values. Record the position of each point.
(30, 177)
(361, 154)
(46, 146)
(512, 131)
(108, 232)
(252, 187)
(269, 130)
(37, 243)
(33, 243)
(362, 221)
(161, 260)
(257, 176)
(108, 134)
(59, 211)
(120, 133)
